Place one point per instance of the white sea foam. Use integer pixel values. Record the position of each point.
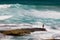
(46, 14)
(4, 6)
(35, 13)
(49, 34)
(5, 17)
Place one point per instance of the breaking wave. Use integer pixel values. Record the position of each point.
(4, 6)
(36, 15)
(49, 15)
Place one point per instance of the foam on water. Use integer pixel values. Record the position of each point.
(5, 17)
(39, 35)
(31, 15)
(5, 6)
(46, 14)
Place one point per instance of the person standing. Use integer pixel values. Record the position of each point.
(43, 26)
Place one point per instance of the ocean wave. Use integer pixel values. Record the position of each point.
(48, 15)
(25, 16)
(4, 6)
(31, 11)
(5, 17)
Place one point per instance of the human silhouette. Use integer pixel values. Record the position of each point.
(43, 26)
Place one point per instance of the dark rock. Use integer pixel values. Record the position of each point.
(21, 32)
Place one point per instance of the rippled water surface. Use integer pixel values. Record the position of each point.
(35, 15)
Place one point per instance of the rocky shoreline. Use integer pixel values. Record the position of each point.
(21, 32)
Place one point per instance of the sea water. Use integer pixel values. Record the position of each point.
(36, 15)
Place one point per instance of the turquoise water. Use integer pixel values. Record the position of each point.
(48, 15)
(31, 2)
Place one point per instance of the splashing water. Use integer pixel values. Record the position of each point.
(34, 15)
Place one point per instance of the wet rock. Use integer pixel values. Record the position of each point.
(21, 32)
